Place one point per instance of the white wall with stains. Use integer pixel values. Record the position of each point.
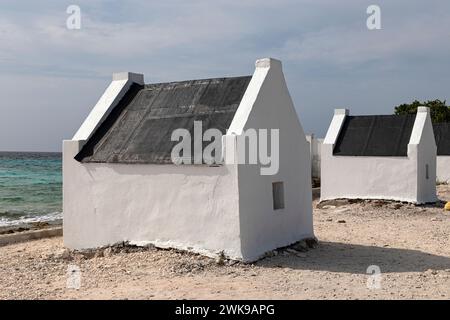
(187, 207)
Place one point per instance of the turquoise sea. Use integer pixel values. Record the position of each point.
(30, 187)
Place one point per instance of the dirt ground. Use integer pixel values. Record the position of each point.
(409, 244)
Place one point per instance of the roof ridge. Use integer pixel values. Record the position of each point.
(149, 85)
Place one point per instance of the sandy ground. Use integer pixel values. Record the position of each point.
(410, 245)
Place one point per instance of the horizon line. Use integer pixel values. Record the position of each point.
(29, 151)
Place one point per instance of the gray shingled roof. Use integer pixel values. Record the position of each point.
(139, 128)
(442, 137)
(381, 135)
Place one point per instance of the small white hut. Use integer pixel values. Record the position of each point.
(442, 136)
(120, 184)
(315, 149)
(379, 157)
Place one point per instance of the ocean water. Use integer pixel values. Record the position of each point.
(30, 187)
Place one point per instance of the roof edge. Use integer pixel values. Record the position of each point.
(119, 86)
(262, 68)
(131, 76)
(421, 117)
(334, 130)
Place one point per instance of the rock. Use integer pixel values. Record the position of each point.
(271, 253)
(232, 262)
(340, 211)
(88, 254)
(378, 203)
(300, 246)
(331, 204)
(312, 242)
(78, 256)
(220, 259)
(119, 245)
(150, 247)
(63, 254)
(108, 252)
(329, 220)
(396, 206)
(433, 272)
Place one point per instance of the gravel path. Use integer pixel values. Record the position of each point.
(409, 244)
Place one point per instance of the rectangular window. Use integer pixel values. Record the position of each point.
(278, 195)
(427, 174)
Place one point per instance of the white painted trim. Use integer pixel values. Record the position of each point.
(110, 98)
(335, 127)
(422, 116)
(251, 94)
(134, 77)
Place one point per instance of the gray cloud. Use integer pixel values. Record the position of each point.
(51, 76)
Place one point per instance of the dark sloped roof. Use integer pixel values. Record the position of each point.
(442, 137)
(385, 135)
(139, 128)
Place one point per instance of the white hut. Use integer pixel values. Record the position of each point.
(315, 147)
(442, 136)
(379, 157)
(120, 183)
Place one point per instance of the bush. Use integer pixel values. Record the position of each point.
(440, 112)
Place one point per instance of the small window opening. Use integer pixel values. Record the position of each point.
(427, 174)
(278, 195)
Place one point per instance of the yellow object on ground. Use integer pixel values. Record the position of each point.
(447, 206)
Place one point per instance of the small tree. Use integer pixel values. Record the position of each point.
(440, 112)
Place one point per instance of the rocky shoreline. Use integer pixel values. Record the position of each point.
(23, 227)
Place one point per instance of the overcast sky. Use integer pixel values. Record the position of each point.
(50, 76)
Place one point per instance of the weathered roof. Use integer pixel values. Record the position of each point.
(139, 128)
(380, 135)
(442, 137)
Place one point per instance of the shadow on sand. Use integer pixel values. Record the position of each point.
(349, 258)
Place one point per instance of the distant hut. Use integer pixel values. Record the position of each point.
(442, 136)
(379, 157)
